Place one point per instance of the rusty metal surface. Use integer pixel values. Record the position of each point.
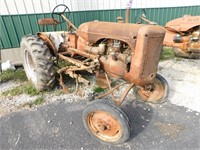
(72, 40)
(48, 42)
(95, 31)
(128, 9)
(104, 126)
(195, 47)
(101, 80)
(148, 36)
(146, 55)
(168, 40)
(69, 22)
(184, 35)
(152, 95)
(121, 50)
(48, 21)
(114, 68)
(183, 24)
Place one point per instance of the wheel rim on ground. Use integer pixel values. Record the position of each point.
(104, 126)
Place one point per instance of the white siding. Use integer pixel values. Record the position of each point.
(8, 7)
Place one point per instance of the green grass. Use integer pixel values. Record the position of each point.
(178, 59)
(38, 101)
(26, 88)
(167, 53)
(64, 63)
(13, 75)
(58, 92)
(98, 89)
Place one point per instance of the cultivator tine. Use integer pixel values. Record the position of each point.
(71, 72)
(108, 82)
(64, 87)
(101, 80)
(111, 90)
(120, 101)
(76, 91)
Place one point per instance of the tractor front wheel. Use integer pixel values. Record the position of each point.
(158, 92)
(106, 122)
(37, 62)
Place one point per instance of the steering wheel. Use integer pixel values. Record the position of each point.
(139, 14)
(65, 11)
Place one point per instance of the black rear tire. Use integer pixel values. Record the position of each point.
(37, 62)
(106, 122)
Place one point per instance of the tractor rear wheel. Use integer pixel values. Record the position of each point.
(37, 62)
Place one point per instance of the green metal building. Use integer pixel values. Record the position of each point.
(21, 20)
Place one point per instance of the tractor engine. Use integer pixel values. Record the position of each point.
(127, 51)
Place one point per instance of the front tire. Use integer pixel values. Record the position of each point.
(157, 94)
(37, 62)
(106, 122)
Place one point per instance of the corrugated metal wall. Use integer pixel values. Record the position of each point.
(13, 27)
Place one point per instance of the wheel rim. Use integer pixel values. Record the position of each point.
(104, 126)
(30, 66)
(155, 94)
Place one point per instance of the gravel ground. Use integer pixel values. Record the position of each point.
(15, 103)
(183, 76)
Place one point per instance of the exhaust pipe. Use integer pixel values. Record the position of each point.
(128, 8)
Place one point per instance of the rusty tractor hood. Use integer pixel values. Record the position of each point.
(145, 42)
(183, 24)
(94, 31)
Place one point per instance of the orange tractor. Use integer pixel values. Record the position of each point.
(183, 35)
(121, 51)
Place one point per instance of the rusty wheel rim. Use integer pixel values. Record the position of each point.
(155, 94)
(104, 126)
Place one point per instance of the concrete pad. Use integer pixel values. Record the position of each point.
(13, 54)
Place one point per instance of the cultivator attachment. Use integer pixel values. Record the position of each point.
(74, 67)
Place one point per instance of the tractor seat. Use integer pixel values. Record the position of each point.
(48, 21)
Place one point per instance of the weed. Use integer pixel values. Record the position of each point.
(178, 59)
(38, 101)
(29, 89)
(98, 89)
(64, 63)
(13, 75)
(58, 92)
(26, 88)
(167, 53)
